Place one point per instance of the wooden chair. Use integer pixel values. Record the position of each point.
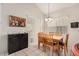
(51, 33)
(64, 45)
(57, 33)
(49, 43)
(40, 38)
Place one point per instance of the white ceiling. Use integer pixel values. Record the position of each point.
(53, 6)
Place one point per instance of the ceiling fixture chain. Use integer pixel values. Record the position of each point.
(48, 10)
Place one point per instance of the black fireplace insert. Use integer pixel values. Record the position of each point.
(17, 42)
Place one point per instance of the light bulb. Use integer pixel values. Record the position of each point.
(50, 19)
(46, 19)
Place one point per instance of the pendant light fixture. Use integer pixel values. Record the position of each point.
(48, 18)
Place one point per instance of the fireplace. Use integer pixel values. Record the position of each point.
(17, 42)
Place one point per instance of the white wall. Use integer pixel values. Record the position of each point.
(69, 15)
(29, 11)
(0, 18)
(1, 43)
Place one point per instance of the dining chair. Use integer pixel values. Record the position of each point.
(48, 42)
(51, 44)
(64, 45)
(40, 38)
(51, 33)
(57, 33)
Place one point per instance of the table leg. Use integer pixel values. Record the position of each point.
(38, 44)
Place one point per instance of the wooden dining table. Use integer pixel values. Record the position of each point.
(56, 38)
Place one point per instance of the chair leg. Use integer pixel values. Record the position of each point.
(58, 49)
(52, 51)
(44, 48)
(58, 53)
(38, 45)
(65, 50)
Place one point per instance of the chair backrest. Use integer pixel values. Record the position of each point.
(44, 37)
(51, 33)
(57, 33)
(48, 39)
(40, 36)
(39, 33)
(66, 39)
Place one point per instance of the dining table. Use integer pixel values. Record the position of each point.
(55, 38)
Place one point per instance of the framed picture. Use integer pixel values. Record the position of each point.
(15, 21)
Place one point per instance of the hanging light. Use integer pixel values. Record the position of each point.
(48, 19)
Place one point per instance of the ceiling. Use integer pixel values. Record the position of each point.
(53, 6)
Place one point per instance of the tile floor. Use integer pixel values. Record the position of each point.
(34, 51)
